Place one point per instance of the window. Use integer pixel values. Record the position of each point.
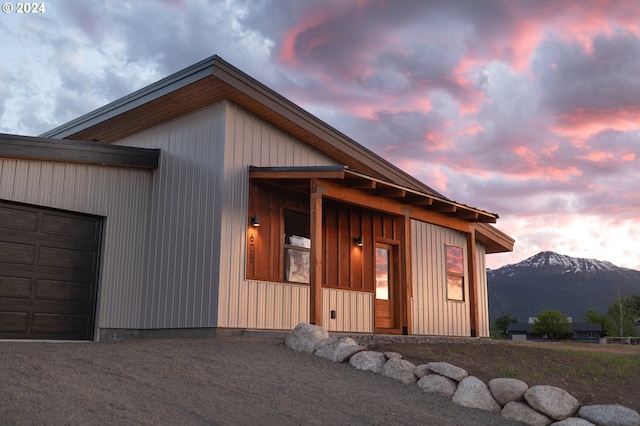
(382, 273)
(297, 247)
(455, 272)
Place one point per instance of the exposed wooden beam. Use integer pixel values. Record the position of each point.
(391, 192)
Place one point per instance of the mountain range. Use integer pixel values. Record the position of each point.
(550, 280)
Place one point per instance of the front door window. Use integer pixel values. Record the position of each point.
(382, 273)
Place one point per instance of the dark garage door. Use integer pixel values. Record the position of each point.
(48, 273)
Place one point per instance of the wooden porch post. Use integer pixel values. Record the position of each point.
(473, 281)
(315, 213)
(407, 280)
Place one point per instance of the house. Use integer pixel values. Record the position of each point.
(206, 203)
(581, 332)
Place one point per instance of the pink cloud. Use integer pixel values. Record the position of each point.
(586, 122)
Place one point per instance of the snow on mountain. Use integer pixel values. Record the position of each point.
(550, 280)
(567, 263)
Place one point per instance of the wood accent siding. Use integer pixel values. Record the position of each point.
(346, 265)
(264, 245)
(483, 292)
(122, 196)
(432, 313)
(353, 310)
(249, 140)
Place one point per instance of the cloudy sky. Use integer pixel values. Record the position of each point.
(529, 109)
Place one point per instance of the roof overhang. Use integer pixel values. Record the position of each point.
(299, 177)
(211, 81)
(43, 149)
(494, 240)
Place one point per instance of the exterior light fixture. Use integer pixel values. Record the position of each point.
(255, 220)
(358, 241)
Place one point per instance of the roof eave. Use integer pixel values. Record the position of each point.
(136, 99)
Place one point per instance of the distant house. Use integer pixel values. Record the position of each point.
(207, 203)
(582, 332)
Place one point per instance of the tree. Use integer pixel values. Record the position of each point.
(593, 317)
(553, 324)
(499, 325)
(623, 313)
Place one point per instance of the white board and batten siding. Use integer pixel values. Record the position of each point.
(354, 310)
(251, 141)
(120, 195)
(432, 312)
(483, 292)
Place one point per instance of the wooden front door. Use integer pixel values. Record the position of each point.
(386, 283)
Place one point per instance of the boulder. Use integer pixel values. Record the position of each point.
(422, 370)
(473, 393)
(552, 401)
(393, 355)
(306, 338)
(615, 415)
(448, 370)
(507, 390)
(368, 360)
(339, 349)
(573, 421)
(435, 383)
(399, 369)
(521, 412)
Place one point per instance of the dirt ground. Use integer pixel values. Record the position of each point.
(224, 380)
(583, 370)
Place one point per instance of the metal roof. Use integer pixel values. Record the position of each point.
(214, 80)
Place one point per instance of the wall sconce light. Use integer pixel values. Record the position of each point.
(358, 241)
(255, 220)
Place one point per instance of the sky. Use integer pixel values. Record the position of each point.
(529, 109)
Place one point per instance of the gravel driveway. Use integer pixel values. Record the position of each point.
(224, 380)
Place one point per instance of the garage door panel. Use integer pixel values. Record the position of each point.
(48, 273)
(67, 258)
(11, 218)
(62, 290)
(22, 253)
(69, 226)
(61, 324)
(15, 287)
(13, 322)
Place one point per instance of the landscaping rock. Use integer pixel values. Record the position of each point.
(435, 383)
(448, 370)
(339, 350)
(306, 338)
(393, 355)
(368, 360)
(507, 390)
(610, 415)
(552, 401)
(422, 370)
(399, 369)
(473, 393)
(521, 412)
(573, 421)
